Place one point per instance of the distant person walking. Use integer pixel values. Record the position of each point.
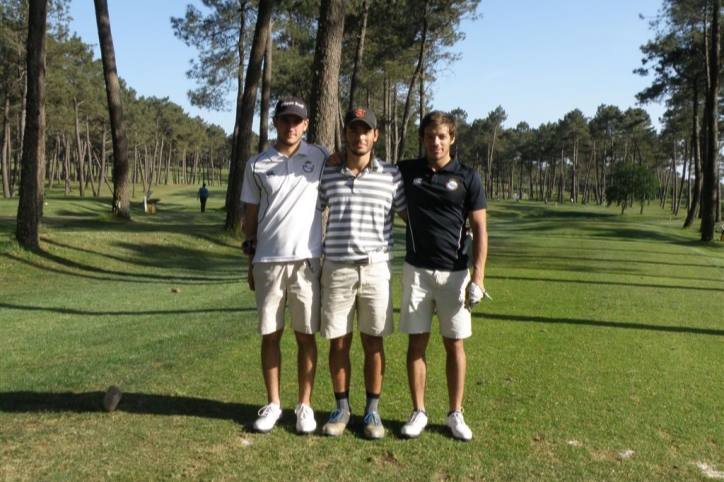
(203, 195)
(283, 242)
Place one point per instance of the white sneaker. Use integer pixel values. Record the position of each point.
(414, 427)
(268, 416)
(457, 426)
(305, 419)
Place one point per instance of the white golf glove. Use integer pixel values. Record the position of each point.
(474, 294)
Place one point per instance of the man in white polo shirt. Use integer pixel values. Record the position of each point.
(283, 240)
(362, 194)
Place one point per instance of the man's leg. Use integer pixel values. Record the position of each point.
(306, 365)
(340, 369)
(306, 369)
(271, 362)
(374, 371)
(417, 368)
(455, 368)
(374, 366)
(339, 363)
(339, 292)
(416, 377)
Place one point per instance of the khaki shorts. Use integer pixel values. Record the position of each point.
(426, 292)
(294, 284)
(366, 289)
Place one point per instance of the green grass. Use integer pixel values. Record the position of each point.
(600, 357)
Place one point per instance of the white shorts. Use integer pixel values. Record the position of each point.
(347, 288)
(294, 284)
(426, 292)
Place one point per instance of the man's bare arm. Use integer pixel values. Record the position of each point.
(251, 220)
(478, 225)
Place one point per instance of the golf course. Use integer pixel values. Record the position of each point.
(600, 357)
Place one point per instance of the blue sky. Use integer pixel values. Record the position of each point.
(537, 59)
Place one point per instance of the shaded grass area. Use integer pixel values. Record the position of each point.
(599, 359)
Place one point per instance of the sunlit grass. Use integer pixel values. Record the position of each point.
(599, 359)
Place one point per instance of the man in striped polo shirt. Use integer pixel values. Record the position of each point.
(362, 194)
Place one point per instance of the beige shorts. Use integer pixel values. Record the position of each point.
(347, 288)
(426, 292)
(294, 284)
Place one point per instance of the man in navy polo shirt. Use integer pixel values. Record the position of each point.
(442, 194)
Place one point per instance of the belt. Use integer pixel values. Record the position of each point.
(356, 262)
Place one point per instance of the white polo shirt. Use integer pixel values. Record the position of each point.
(286, 189)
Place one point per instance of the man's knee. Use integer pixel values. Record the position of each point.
(306, 341)
(272, 339)
(417, 345)
(371, 344)
(454, 346)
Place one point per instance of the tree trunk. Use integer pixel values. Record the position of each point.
(21, 129)
(245, 116)
(423, 102)
(168, 164)
(489, 158)
(53, 165)
(325, 85)
(30, 206)
(102, 161)
(674, 177)
(684, 173)
(89, 174)
(387, 117)
(696, 146)
(407, 113)
(158, 161)
(359, 53)
(121, 206)
(6, 145)
(184, 179)
(79, 152)
(235, 161)
(266, 82)
(710, 184)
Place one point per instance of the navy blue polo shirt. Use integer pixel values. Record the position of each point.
(438, 204)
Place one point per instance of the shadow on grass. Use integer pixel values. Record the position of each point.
(136, 403)
(600, 324)
(183, 258)
(69, 311)
(607, 283)
(170, 405)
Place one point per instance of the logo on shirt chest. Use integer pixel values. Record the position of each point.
(308, 167)
(452, 184)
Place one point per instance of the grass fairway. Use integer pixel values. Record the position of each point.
(600, 358)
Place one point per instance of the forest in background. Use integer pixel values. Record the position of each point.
(388, 54)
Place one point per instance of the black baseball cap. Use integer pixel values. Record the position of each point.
(361, 115)
(291, 105)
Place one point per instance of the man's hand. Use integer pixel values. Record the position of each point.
(334, 159)
(474, 294)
